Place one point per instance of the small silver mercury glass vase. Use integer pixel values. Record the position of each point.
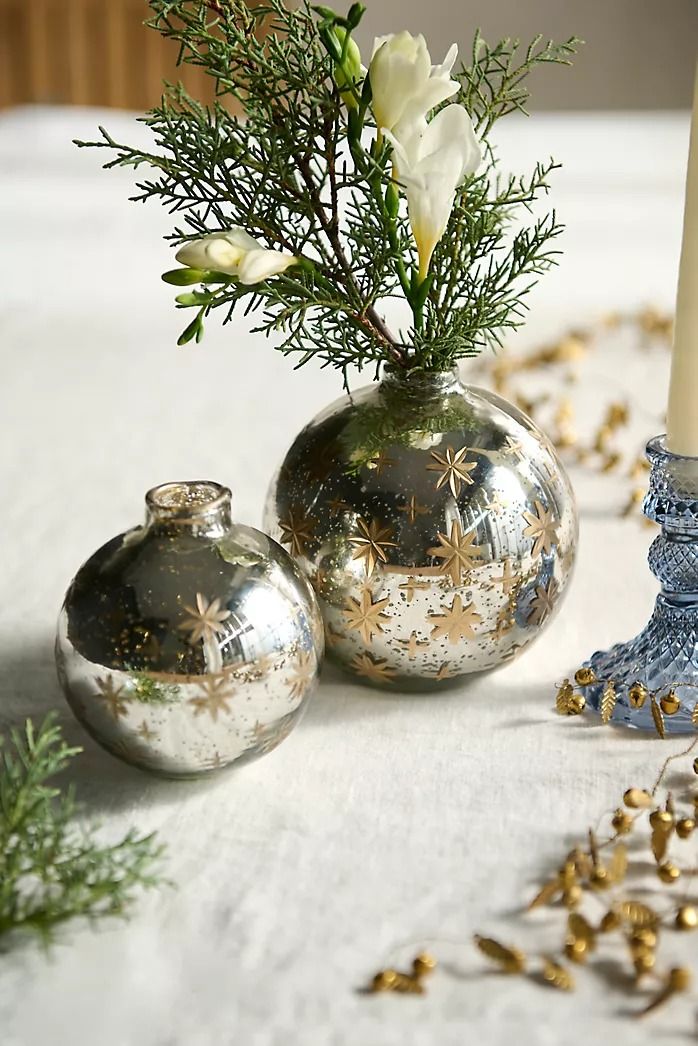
(655, 675)
(436, 524)
(190, 642)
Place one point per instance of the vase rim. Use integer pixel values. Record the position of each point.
(407, 376)
(188, 502)
(657, 450)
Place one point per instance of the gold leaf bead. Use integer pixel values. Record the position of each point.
(668, 872)
(610, 922)
(599, 878)
(679, 979)
(686, 918)
(622, 822)
(562, 699)
(637, 695)
(584, 676)
(423, 964)
(695, 771)
(670, 703)
(637, 798)
(685, 827)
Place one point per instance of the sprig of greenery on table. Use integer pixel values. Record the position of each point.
(298, 172)
(53, 869)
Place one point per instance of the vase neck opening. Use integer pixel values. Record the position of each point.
(201, 506)
(421, 382)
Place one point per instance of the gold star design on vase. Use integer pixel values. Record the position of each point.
(456, 622)
(145, 732)
(509, 578)
(542, 528)
(412, 645)
(375, 669)
(458, 552)
(543, 603)
(365, 616)
(112, 696)
(303, 674)
(514, 447)
(445, 672)
(216, 692)
(504, 625)
(379, 462)
(413, 509)
(412, 586)
(296, 530)
(206, 621)
(337, 505)
(453, 469)
(370, 544)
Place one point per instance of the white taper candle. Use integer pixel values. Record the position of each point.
(682, 418)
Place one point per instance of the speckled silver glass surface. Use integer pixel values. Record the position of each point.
(190, 642)
(665, 653)
(436, 524)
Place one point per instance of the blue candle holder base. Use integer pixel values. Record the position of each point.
(664, 656)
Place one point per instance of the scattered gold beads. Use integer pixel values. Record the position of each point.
(685, 827)
(576, 704)
(680, 979)
(644, 938)
(670, 703)
(405, 983)
(584, 676)
(637, 798)
(668, 872)
(637, 695)
(661, 819)
(644, 962)
(686, 918)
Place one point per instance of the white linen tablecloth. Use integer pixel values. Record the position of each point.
(383, 823)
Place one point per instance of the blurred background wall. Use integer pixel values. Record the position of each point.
(640, 54)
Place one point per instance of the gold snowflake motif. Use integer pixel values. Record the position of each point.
(338, 505)
(206, 621)
(412, 645)
(509, 579)
(375, 669)
(503, 626)
(543, 603)
(297, 529)
(412, 586)
(456, 622)
(371, 543)
(453, 469)
(146, 733)
(216, 693)
(112, 696)
(413, 509)
(514, 447)
(303, 674)
(379, 462)
(365, 616)
(542, 528)
(445, 672)
(458, 552)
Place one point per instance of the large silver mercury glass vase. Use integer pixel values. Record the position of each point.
(190, 642)
(435, 523)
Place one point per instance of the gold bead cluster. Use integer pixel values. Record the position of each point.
(411, 983)
(572, 701)
(598, 874)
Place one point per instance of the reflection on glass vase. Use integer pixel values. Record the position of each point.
(190, 642)
(436, 524)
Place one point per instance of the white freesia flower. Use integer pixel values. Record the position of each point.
(237, 253)
(431, 160)
(404, 83)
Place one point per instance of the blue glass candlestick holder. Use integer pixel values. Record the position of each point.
(655, 675)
